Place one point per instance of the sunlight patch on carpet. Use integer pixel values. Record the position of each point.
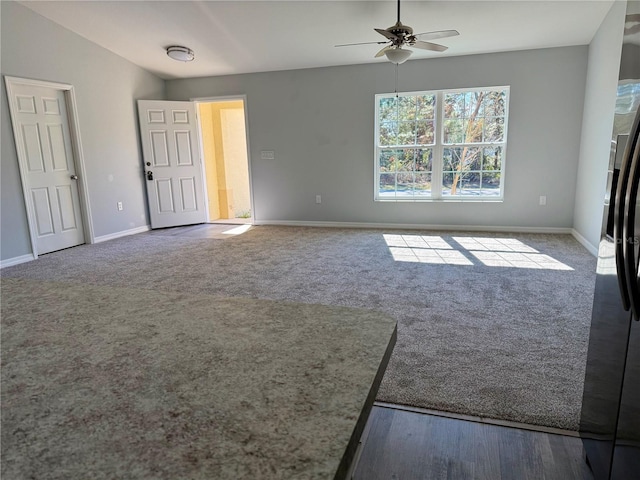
(492, 252)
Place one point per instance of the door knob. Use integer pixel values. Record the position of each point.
(149, 175)
(74, 177)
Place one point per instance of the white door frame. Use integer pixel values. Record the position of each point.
(227, 98)
(77, 155)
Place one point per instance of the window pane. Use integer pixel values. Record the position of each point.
(387, 185)
(424, 160)
(425, 106)
(471, 158)
(388, 133)
(470, 183)
(424, 133)
(462, 159)
(454, 105)
(490, 183)
(388, 160)
(404, 184)
(493, 129)
(450, 159)
(447, 182)
(422, 184)
(474, 104)
(494, 103)
(473, 132)
(407, 133)
(407, 108)
(406, 160)
(387, 109)
(461, 183)
(454, 131)
(492, 159)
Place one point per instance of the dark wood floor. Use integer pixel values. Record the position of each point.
(405, 445)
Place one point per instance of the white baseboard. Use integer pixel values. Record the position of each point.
(415, 226)
(123, 233)
(17, 260)
(400, 226)
(592, 249)
(27, 258)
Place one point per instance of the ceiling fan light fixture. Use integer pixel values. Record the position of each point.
(181, 54)
(397, 55)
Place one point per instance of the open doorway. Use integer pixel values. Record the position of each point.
(226, 163)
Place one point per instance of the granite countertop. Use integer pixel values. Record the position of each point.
(101, 382)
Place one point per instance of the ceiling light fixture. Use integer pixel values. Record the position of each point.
(182, 54)
(397, 55)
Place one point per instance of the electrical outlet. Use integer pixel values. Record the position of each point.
(318, 198)
(543, 200)
(120, 206)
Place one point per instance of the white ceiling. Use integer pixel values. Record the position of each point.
(238, 36)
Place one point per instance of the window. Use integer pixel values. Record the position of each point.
(446, 144)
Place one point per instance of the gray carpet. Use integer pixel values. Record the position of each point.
(491, 325)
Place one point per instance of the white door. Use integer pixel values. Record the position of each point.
(43, 141)
(173, 168)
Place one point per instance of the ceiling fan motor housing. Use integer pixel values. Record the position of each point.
(402, 32)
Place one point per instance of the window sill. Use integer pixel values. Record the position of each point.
(439, 200)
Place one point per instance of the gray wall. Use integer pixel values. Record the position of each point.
(320, 123)
(597, 124)
(106, 88)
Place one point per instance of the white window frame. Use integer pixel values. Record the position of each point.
(438, 149)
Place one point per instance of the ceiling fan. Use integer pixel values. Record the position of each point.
(400, 35)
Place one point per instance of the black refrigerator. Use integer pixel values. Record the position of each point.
(610, 418)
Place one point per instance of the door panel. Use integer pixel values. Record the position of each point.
(42, 208)
(43, 138)
(25, 103)
(51, 106)
(183, 148)
(181, 116)
(188, 194)
(159, 149)
(33, 147)
(173, 168)
(59, 155)
(65, 203)
(155, 116)
(165, 195)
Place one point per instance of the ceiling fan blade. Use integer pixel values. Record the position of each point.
(361, 43)
(429, 46)
(437, 34)
(382, 52)
(385, 33)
